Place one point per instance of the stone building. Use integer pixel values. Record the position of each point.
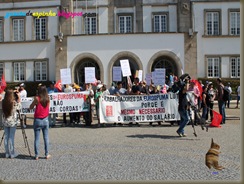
(198, 37)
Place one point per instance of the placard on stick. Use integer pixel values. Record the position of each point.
(65, 74)
(90, 75)
(125, 67)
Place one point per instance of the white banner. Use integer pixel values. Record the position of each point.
(61, 103)
(139, 108)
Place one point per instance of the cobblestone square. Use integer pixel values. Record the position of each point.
(119, 153)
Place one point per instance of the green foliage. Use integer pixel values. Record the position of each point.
(234, 83)
(30, 87)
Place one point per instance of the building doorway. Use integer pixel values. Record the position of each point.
(167, 63)
(133, 67)
(79, 74)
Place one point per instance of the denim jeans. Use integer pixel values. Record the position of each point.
(41, 124)
(184, 119)
(9, 141)
(204, 112)
(221, 105)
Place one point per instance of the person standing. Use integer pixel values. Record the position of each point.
(183, 109)
(221, 102)
(204, 102)
(238, 96)
(229, 89)
(52, 117)
(97, 96)
(210, 100)
(10, 106)
(42, 103)
(23, 94)
(68, 89)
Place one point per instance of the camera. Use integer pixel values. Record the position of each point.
(180, 84)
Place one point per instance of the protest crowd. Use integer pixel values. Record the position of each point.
(192, 98)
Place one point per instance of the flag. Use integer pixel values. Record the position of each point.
(3, 84)
(58, 85)
(199, 86)
(217, 119)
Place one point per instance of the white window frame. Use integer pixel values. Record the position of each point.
(90, 25)
(212, 19)
(40, 26)
(127, 26)
(162, 24)
(1, 30)
(213, 67)
(234, 26)
(235, 67)
(19, 71)
(41, 71)
(19, 31)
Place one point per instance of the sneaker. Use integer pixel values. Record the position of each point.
(48, 156)
(14, 156)
(184, 135)
(180, 135)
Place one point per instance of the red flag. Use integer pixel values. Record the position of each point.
(3, 84)
(217, 119)
(199, 86)
(58, 85)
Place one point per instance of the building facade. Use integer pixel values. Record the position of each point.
(198, 37)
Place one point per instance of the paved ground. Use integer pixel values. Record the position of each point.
(127, 153)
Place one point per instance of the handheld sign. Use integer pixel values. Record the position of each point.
(90, 75)
(65, 75)
(125, 66)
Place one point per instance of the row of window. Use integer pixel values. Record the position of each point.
(40, 26)
(125, 25)
(19, 71)
(213, 23)
(214, 67)
(41, 69)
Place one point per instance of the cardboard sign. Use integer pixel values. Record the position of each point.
(125, 67)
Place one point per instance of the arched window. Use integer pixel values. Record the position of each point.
(167, 63)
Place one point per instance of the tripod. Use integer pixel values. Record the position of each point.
(23, 133)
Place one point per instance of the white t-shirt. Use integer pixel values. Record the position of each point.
(239, 91)
(23, 93)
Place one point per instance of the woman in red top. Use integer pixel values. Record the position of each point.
(41, 102)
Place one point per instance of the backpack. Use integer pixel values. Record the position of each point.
(226, 94)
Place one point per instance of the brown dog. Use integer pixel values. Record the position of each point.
(212, 157)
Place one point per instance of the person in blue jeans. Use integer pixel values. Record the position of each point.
(183, 109)
(221, 102)
(42, 103)
(10, 105)
(204, 102)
